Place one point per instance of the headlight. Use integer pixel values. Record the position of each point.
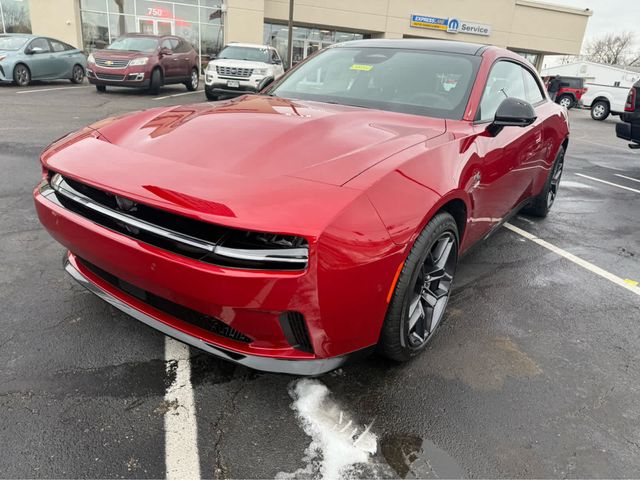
(211, 67)
(261, 71)
(139, 61)
(91, 58)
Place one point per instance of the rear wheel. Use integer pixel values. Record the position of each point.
(600, 110)
(541, 204)
(156, 82)
(193, 82)
(77, 74)
(101, 88)
(566, 101)
(21, 75)
(421, 294)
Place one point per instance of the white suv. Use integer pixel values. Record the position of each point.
(240, 68)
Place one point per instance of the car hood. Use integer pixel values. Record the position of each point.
(230, 62)
(255, 162)
(266, 137)
(120, 54)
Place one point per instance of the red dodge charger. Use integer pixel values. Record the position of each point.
(291, 230)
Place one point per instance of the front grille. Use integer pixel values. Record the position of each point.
(234, 71)
(175, 310)
(295, 331)
(108, 63)
(109, 76)
(185, 236)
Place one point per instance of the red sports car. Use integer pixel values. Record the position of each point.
(291, 230)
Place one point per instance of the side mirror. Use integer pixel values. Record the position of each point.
(165, 52)
(277, 61)
(265, 83)
(33, 50)
(212, 57)
(512, 112)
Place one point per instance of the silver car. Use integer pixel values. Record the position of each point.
(24, 58)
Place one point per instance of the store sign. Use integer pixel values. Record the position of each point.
(450, 25)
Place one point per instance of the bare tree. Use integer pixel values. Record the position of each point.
(16, 18)
(614, 49)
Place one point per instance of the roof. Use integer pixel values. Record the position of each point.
(448, 46)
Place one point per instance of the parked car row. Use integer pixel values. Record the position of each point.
(140, 61)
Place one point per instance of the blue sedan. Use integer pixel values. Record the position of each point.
(24, 58)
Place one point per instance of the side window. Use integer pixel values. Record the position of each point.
(274, 57)
(183, 47)
(58, 46)
(166, 43)
(505, 80)
(531, 88)
(40, 43)
(174, 44)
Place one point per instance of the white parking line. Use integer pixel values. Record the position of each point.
(608, 183)
(182, 459)
(50, 89)
(630, 285)
(628, 178)
(579, 139)
(177, 95)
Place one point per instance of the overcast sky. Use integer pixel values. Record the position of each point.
(608, 16)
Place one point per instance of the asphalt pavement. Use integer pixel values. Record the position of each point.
(534, 373)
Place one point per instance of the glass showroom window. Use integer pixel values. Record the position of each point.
(306, 41)
(197, 21)
(14, 16)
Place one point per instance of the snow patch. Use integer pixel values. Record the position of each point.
(339, 445)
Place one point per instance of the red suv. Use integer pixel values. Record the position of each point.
(571, 91)
(144, 61)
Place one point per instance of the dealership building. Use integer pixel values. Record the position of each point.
(533, 29)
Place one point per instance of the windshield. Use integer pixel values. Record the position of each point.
(419, 82)
(12, 43)
(245, 53)
(135, 44)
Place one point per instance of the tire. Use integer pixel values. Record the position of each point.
(77, 74)
(101, 88)
(192, 85)
(210, 95)
(414, 297)
(156, 82)
(22, 75)
(566, 101)
(541, 204)
(600, 110)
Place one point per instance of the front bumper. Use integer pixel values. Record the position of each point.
(221, 85)
(129, 77)
(268, 364)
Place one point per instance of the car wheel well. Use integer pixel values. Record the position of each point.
(600, 99)
(565, 144)
(23, 64)
(458, 210)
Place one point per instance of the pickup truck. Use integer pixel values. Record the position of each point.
(604, 100)
(629, 128)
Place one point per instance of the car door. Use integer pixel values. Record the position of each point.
(40, 58)
(62, 59)
(503, 177)
(169, 60)
(182, 50)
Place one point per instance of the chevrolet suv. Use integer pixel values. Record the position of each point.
(144, 61)
(240, 68)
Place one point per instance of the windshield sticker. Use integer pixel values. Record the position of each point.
(363, 68)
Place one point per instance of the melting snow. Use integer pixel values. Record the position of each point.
(338, 442)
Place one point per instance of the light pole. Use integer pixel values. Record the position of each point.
(290, 35)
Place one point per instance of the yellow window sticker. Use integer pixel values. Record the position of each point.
(363, 68)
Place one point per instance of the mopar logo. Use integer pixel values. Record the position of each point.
(453, 25)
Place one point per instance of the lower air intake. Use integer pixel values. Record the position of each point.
(295, 331)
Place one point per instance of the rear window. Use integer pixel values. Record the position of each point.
(419, 82)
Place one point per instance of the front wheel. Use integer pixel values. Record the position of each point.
(422, 291)
(541, 204)
(156, 82)
(77, 74)
(600, 110)
(192, 84)
(566, 101)
(22, 75)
